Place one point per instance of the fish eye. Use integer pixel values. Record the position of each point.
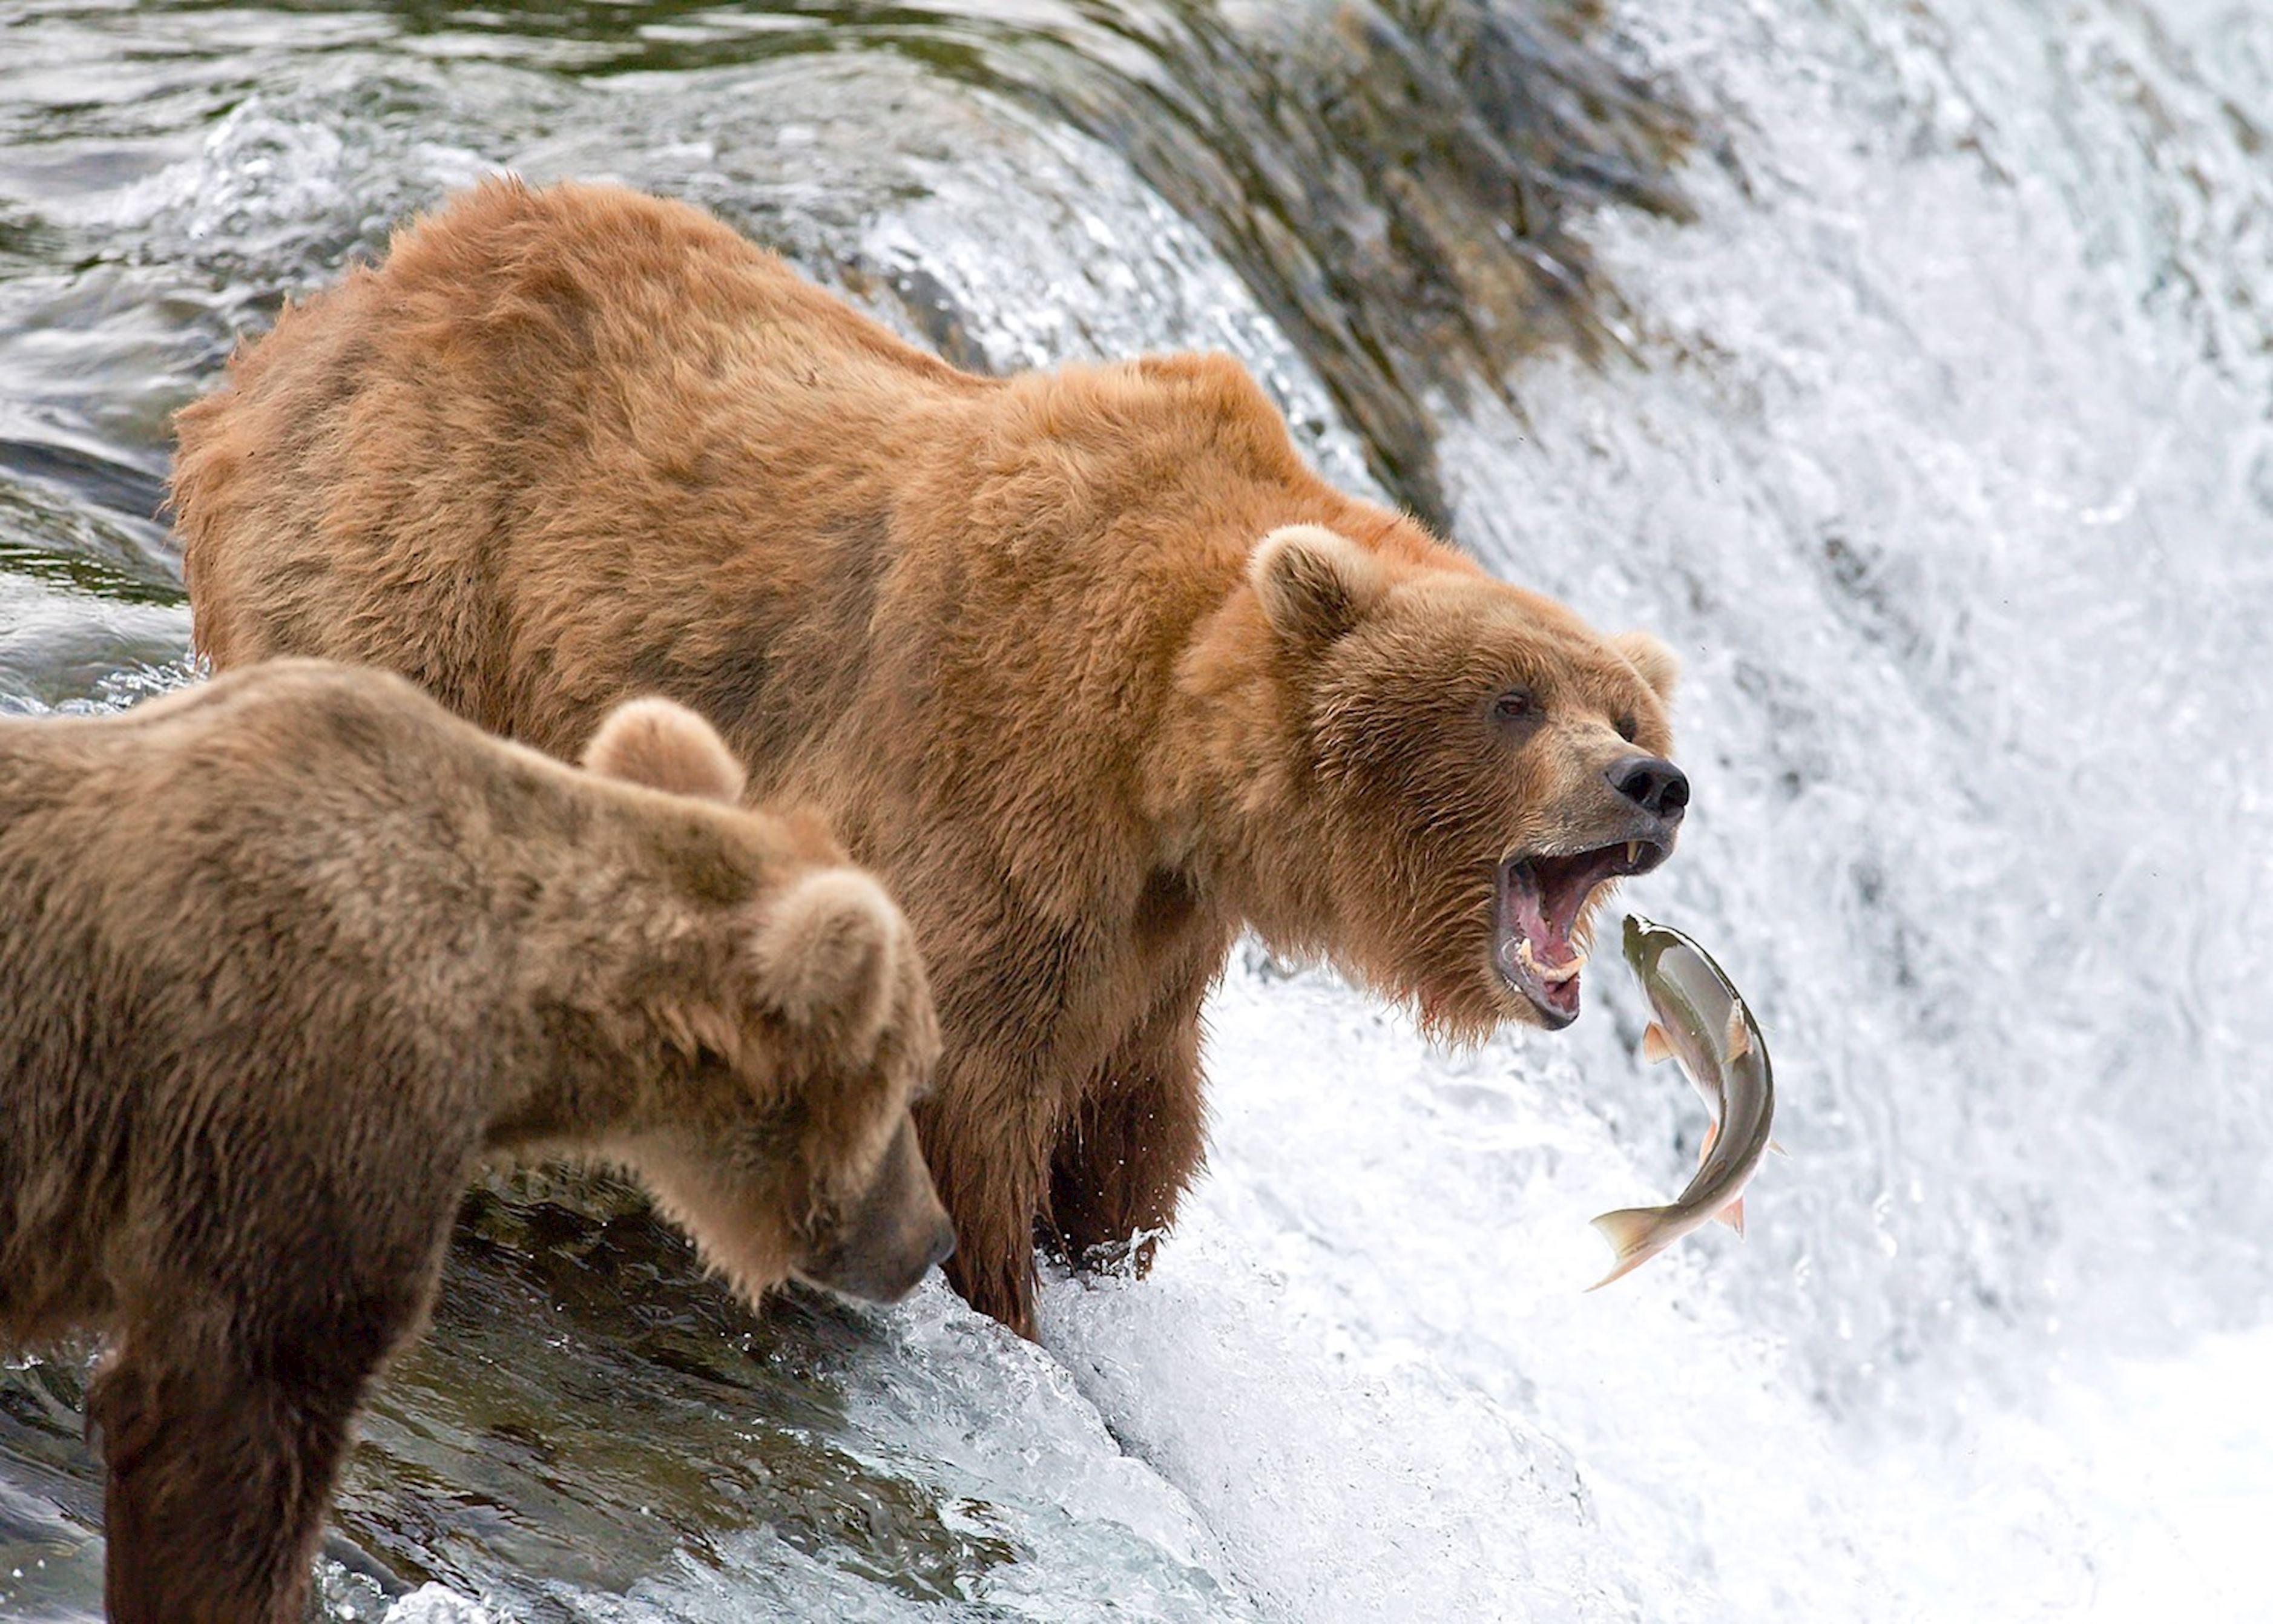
(1627, 727)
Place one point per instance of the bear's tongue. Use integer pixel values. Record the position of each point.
(1538, 903)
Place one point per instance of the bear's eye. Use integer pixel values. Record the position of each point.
(1627, 727)
(1516, 706)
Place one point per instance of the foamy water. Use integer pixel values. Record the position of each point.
(1938, 450)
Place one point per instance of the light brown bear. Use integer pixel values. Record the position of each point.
(283, 957)
(1087, 665)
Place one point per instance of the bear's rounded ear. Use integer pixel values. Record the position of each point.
(665, 745)
(1314, 584)
(1660, 666)
(832, 947)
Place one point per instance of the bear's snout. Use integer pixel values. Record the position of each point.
(892, 1237)
(1653, 783)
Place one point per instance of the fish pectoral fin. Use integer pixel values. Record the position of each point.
(1655, 1046)
(1733, 1215)
(1738, 1041)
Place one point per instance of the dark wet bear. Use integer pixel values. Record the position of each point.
(284, 956)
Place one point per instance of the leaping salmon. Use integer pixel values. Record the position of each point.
(1703, 1023)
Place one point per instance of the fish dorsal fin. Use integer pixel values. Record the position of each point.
(1655, 1046)
(1739, 1040)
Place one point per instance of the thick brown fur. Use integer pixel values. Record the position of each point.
(1020, 639)
(283, 957)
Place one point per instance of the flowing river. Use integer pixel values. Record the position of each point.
(1907, 363)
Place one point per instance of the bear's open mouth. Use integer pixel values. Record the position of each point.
(1537, 909)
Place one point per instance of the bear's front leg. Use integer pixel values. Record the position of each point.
(1132, 1147)
(219, 1471)
(987, 1131)
(226, 1402)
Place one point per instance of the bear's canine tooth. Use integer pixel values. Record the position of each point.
(1548, 972)
(1634, 852)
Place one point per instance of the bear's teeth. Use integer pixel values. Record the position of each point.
(1634, 852)
(1548, 972)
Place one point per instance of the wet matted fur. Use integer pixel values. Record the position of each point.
(283, 957)
(1087, 665)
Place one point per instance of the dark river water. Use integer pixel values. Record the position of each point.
(1906, 365)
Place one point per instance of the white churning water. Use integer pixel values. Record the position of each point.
(1940, 452)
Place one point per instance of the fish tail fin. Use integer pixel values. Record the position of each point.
(1733, 1215)
(1632, 1234)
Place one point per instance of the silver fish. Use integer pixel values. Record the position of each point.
(1703, 1023)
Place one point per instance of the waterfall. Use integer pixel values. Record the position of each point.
(1906, 366)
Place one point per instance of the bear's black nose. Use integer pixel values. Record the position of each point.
(1653, 783)
(943, 1242)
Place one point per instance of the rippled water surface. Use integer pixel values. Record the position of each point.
(1906, 364)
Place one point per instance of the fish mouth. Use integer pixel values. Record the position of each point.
(1539, 900)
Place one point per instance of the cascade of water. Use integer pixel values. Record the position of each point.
(1923, 406)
